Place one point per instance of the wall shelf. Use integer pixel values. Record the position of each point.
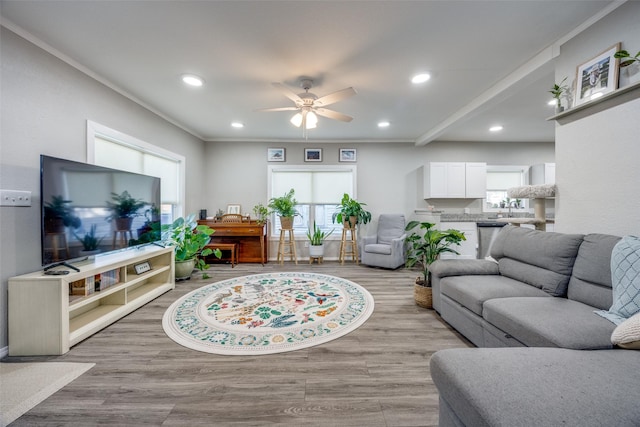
(611, 99)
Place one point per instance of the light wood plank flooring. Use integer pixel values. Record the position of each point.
(377, 375)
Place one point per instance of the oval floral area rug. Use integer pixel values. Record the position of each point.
(267, 313)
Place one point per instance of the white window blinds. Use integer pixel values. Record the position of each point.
(313, 186)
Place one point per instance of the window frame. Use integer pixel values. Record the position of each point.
(97, 130)
(524, 170)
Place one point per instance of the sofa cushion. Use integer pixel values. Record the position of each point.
(590, 281)
(541, 259)
(627, 334)
(550, 322)
(539, 386)
(625, 279)
(472, 291)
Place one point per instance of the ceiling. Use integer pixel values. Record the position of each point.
(491, 62)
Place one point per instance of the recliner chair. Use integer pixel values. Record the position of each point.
(386, 249)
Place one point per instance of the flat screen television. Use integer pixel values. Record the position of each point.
(83, 207)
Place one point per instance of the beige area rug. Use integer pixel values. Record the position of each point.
(24, 385)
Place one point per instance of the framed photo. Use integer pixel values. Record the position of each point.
(597, 76)
(275, 154)
(313, 154)
(233, 209)
(347, 155)
(142, 267)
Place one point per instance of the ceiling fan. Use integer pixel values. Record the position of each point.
(309, 106)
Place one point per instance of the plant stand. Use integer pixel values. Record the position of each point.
(349, 246)
(423, 296)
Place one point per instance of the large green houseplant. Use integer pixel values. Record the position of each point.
(351, 212)
(424, 246)
(58, 214)
(285, 208)
(124, 208)
(189, 240)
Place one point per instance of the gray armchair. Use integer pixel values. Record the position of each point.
(386, 248)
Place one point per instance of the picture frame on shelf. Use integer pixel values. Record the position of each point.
(313, 154)
(347, 155)
(276, 154)
(598, 76)
(233, 209)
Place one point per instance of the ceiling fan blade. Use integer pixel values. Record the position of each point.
(335, 97)
(278, 109)
(288, 93)
(333, 114)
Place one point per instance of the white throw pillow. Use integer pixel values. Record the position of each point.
(627, 334)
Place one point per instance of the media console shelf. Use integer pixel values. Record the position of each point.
(44, 319)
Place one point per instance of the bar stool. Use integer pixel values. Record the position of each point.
(352, 243)
(58, 243)
(283, 244)
(123, 242)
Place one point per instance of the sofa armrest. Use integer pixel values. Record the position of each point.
(398, 244)
(463, 267)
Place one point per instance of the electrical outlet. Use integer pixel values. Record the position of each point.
(15, 198)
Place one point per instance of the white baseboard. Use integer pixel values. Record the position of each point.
(4, 352)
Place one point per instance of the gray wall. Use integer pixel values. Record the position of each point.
(597, 156)
(44, 108)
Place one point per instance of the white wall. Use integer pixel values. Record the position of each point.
(44, 108)
(598, 155)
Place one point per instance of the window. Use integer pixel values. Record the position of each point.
(113, 149)
(499, 180)
(318, 190)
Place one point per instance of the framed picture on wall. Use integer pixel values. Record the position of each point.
(275, 154)
(313, 154)
(347, 155)
(597, 76)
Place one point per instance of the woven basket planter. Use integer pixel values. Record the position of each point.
(423, 296)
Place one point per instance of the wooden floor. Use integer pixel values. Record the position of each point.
(377, 375)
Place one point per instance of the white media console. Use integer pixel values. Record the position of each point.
(45, 319)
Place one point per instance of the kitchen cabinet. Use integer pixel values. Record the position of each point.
(455, 180)
(544, 173)
(467, 248)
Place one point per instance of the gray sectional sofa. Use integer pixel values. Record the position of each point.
(539, 290)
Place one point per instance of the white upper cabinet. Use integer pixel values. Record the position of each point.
(457, 180)
(544, 173)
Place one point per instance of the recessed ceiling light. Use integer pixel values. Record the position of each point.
(192, 80)
(552, 102)
(237, 125)
(495, 128)
(384, 124)
(420, 78)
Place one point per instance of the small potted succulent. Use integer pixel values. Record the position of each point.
(285, 208)
(424, 246)
(189, 240)
(351, 212)
(557, 91)
(316, 241)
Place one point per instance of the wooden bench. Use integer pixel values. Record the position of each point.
(233, 247)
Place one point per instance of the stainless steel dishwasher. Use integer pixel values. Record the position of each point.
(487, 233)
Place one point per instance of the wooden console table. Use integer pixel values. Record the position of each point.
(249, 235)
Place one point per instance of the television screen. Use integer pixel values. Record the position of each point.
(88, 209)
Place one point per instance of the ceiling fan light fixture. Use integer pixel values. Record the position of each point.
(192, 80)
(296, 120)
(312, 120)
(420, 78)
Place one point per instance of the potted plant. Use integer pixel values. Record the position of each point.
(424, 246)
(351, 212)
(189, 240)
(628, 59)
(124, 208)
(316, 241)
(90, 243)
(557, 90)
(261, 213)
(58, 215)
(285, 208)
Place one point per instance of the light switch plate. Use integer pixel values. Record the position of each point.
(15, 198)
